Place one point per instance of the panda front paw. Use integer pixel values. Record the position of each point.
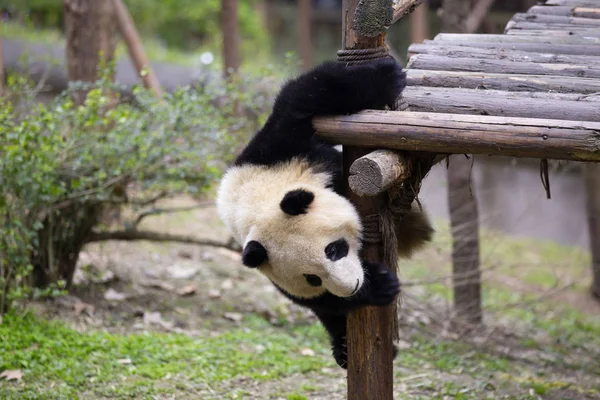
(384, 285)
(391, 80)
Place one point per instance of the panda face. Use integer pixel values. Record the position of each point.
(309, 245)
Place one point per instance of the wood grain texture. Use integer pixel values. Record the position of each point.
(584, 12)
(506, 54)
(443, 63)
(496, 38)
(580, 49)
(508, 82)
(465, 134)
(376, 172)
(556, 19)
(592, 184)
(576, 107)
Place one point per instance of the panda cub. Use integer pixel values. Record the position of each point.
(282, 199)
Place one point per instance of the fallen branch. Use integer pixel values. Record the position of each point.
(169, 210)
(132, 235)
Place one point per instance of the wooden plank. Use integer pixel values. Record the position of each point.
(556, 19)
(512, 82)
(442, 63)
(552, 34)
(576, 3)
(494, 38)
(501, 54)
(501, 103)
(465, 134)
(530, 47)
(566, 11)
(562, 30)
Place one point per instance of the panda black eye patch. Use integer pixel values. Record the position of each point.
(313, 280)
(337, 250)
(296, 202)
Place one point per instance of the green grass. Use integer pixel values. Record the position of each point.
(59, 362)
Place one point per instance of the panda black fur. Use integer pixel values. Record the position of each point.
(282, 199)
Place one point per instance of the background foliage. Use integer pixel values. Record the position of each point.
(60, 165)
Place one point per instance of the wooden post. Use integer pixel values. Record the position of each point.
(135, 47)
(304, 32)
(419, 23)
(592, 187)
(369, 330)
(231, 36)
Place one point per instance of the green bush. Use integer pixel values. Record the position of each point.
(62, 166)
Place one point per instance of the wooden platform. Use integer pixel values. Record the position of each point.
(545, 66)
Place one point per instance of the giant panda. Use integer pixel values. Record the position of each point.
(282, 199)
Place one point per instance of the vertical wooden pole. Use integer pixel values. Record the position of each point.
(231, 36)
(592, 187)
(135, 47)
(304, 32)
(369, 330)
(419, 23)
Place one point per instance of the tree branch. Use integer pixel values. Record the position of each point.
(477, 15)
(168, 210)
(132, 235)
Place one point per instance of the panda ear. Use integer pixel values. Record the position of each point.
(296, 202)
(254, 254)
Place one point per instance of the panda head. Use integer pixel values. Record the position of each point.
(308, 243)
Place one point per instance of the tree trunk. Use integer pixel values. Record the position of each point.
(1, 70)
(90, 30)
(231, 36)
(592, 184)
(464, 218)
(304, 32)
(419, 23)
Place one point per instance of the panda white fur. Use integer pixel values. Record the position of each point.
(282, 199)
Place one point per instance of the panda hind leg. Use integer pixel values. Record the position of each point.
(413, 231)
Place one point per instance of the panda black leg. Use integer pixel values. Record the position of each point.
(380, 288)
(335, 324)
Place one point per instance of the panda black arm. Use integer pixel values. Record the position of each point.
(329, 89)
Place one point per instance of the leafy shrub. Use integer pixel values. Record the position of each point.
(62, 166)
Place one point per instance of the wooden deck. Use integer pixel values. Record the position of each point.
(545, 65)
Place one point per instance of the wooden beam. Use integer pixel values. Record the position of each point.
(502, 103)
(579, 49)
(555, 33)
(493, 38)
(404, 7)
(304, 32)
(465, 134)
(506, 54)
(555, 29)
(376, 172)
(512, 82)
(575, 3)
(135, 48)
(437, 63)
(556, 19)
(583, 12)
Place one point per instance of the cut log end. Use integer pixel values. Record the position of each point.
(376, 172)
